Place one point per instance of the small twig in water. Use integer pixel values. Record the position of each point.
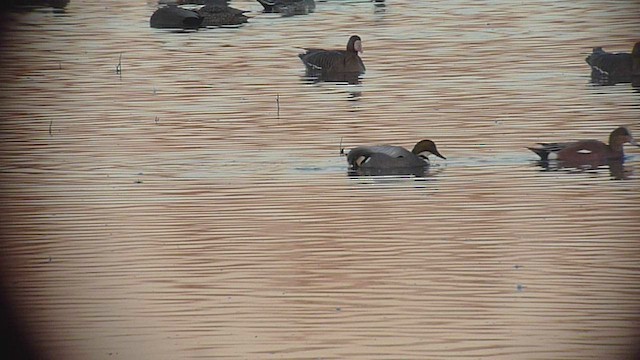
(119, 66)
(157, 119)
(278, 104)
(50, 125)
(341, 148)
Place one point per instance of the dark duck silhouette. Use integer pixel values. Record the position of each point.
(288, 7)
(611, 68)
(25, 4)
(219, 13)
(391, 160)
(174, 17)
(335, 65)
(186, 2)
(587, 152)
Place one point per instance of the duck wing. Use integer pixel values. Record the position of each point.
(289, 7)
(382, 156)
(215, 15)
(390, 150)
(175, 17)
(322, 60)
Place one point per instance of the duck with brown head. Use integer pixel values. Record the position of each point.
(587, 151)
(391, 160)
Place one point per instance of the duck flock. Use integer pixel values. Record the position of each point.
(219, 13)
(346, 66)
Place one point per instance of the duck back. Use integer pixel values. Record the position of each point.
(332, 61)
(609, 64)
(174, 17)
(220, 15)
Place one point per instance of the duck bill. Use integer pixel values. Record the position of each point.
(437, 153)
(632, 141)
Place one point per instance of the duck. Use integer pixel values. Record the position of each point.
(289, 7)
(29, 4)
(219, 13)
(184, 2)
(174, 17)
(392, 160)
(323, 62)
(587, 151)
(614, 65)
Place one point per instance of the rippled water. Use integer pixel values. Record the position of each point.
(197, 206)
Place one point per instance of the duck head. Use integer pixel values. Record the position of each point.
(619, 137)
(424, 147)
(636, 50)
(354, 44)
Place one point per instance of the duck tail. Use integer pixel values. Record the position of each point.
(267, 4)
(543, 153)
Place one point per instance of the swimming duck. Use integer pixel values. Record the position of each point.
(185, 2)
(26, 4)
(391, 160)
(174, 17)
(289, 7)
(320, 61)
(218, 13)
(618, 65)
(587, 151)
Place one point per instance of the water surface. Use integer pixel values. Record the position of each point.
(196, 205)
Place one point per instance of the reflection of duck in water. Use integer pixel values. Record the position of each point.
(611, 68)
(335, 65)
(218, 13)
(391, 160)
(589, 154)
(174, 17)
(289, 7)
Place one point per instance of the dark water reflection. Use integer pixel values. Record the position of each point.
(598, 79)
(413, 171)
(616, 168)
(348, 84)
(312, 77)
